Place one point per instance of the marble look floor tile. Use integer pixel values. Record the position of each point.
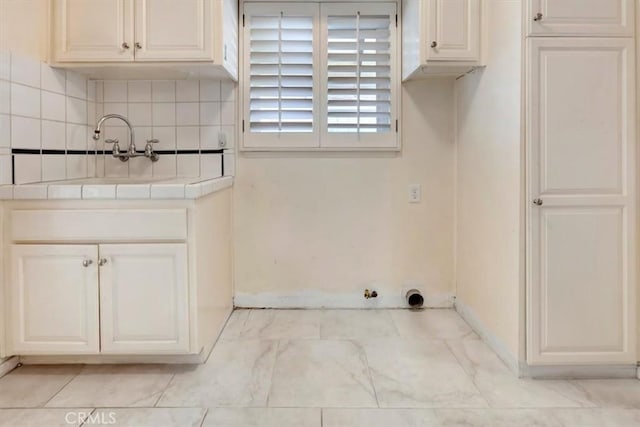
(314, 373)
(419, 374)
(38, 417)
(235, 324)
(282, 324)
(262, 417)
(497, 418)
(503, 389)
(33, 386)
(356, 324)
(115, 386)
(597, 417)
(379, 418)
(149, 417)
(237, 373)
(445, 324)
(618, 393)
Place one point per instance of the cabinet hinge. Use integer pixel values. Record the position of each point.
(396, 125)
(242, 125)
(396, 20)
(243, 19)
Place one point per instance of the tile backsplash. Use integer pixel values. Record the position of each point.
(47, 116)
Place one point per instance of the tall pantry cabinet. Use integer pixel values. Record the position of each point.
(580, 119)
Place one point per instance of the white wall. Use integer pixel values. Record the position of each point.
(317, 229)
(24, 27)
(489, 262)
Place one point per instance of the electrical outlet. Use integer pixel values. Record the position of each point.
(415, 193)
(222, 140)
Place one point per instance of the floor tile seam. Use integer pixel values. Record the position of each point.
(468, 375)
(73, 377)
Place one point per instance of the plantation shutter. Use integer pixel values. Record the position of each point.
(280, 72)
(360, 70)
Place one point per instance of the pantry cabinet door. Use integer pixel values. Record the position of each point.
(582, 201)
(93, 31)
(54, 299)
(144, 298)
(453, 30)
(171, 30)
(596, 18)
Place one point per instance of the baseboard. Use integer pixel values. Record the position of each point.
(313, 299)
(115, 359)
(572, 372)
(495, 343)
(8, 365)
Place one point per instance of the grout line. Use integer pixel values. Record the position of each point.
(73, 377)
(204, 417)
(93, 411)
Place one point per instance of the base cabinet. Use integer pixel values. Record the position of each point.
(54, 299)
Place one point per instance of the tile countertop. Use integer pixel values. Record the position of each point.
(116, 188)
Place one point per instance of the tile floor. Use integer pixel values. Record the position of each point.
(312, 368)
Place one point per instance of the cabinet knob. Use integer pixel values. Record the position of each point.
(434, 44)
(538, 202)
(125, 45)
(102, 262)
(138, 45)
(538, 17)
(87, 262)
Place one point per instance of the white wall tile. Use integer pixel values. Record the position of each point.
(5, 64)
(115, 91)
(53, 106)
(92, 118)
(165, 166)
(53, 135)
(5, 169)
(229, 160)
(140, 114)
(34, 191)
(77, 137)
(209, 113)
(164, 114)
(163, 91)
(209, 91)
(166, 137)
(228, 113)
(5, 97)
(230, 133)
(210, 165)
(209, 137)
(187, 114)
(115, 108)
(187, 91)
(28, 168)
(76, 110)
(5, 131)
(53, 79)
(188, 137)
(115, 168)
(91, 90)
(76, 85)
(54, 167)
(228, 91)
(25, 70)
(139, 91)
(140, 167)
(99, 91)
(25, 132)
(76, 166)
(25, 101)
(188, 165)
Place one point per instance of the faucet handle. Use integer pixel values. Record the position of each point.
(111, 141)
(152, 141)
(116, 146)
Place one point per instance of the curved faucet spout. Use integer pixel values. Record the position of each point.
(98, 129)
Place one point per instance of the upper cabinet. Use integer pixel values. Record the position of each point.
(185, 38)
(441, 37)
(595, 18)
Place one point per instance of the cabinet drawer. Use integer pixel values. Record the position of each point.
(104, 225)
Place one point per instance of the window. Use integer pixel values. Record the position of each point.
(320, 76)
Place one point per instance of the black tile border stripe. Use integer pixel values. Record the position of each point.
(105, 152)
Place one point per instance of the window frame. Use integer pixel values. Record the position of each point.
(320, 139)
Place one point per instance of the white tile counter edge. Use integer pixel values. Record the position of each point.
(169, 189)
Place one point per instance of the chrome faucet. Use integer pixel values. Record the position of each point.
(131, 150)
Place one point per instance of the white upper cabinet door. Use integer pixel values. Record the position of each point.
(173, 30)
(144, 298)
(582, 208)
(93, 31)
(54, 299)
(581, 17)
(453, 30)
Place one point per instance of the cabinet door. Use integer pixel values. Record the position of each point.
(54, 299)
(582, 213)
(143, 298)
(453, 30)
(93, 31)
(172, 30)
(581, 17)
